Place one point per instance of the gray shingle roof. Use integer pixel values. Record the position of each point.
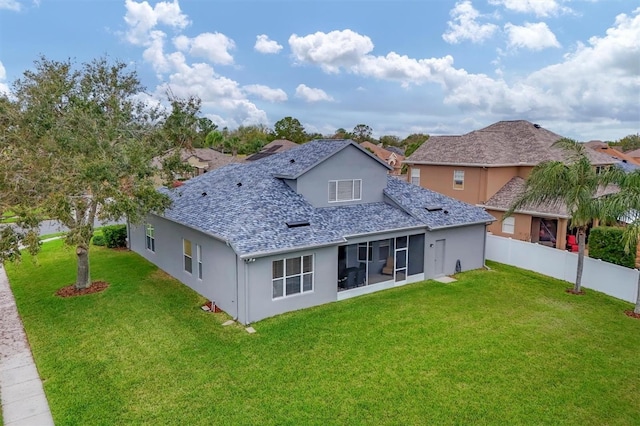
(503, 143)
(252, 216)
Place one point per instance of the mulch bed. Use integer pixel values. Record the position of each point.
(70, 290)
(632, 314)
(577, 293)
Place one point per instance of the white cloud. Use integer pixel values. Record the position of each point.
(331, 50)
(12, 5)
(312, 95)
(540, 8)
(535, 36)
(4, 89)
(141, 18)
(212, 46)
(264, 45)
(266, 93)
(464, 26)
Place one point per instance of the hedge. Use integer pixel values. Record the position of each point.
(115, 235)
(606, 243)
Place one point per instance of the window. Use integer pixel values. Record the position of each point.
(199, 258)
(415, 176)
(150, 237)
(458, 179)
(292, 276)
(345, 190)
(188, 256)
(509, 225)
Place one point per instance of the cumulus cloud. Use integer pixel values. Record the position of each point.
(536, 36)
(212, 46)
(331, 50)
(541, 8)
(312, 95)
(4, 89)
(264, 45)
(12, 5)
(463, 25)
(266, 92)
(141, 18)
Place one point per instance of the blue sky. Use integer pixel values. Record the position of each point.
(401, 67)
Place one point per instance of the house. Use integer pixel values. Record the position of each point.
(273, 147)
(488, 167)
(635, 154)
(623, 159)
(201, 159)
(318, 223)
(392, 158)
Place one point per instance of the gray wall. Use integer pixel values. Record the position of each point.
(260, 303)
(350, 163)
(218, 260)
(465, 243)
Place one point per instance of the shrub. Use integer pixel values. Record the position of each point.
(98, 240)
(115, 235)
(606, 243)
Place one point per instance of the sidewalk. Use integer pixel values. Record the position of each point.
(23, 400)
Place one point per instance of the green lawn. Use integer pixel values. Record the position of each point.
(497, 347)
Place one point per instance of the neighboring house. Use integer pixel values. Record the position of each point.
(202, 160)
(393, 159)
(273, 147)
(635, 154)
(604, 148)
(318, 223)
(488, 167)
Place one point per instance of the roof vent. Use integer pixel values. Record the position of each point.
(239, 184)
(537, 126)
(297, 223)
(433, 208)
(292, 161)
(446, 212)
(204, 194)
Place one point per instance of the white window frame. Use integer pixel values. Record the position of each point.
(415, 176)
(458, 175)
(509, 225)
(284, 277)
(186, 256)
(199, 260)
(150, 238)
(334, 198)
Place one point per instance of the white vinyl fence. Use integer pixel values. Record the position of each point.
(614, 280)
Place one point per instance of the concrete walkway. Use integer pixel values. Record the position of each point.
(23, 400)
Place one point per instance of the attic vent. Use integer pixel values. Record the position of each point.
(537, 126)
(292, 161)
(297, 223)
(204, 194)
(433, 208)
(239, 184)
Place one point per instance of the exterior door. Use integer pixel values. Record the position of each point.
(401, 252)
(439, 257)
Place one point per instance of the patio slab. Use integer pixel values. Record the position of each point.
(445, 280)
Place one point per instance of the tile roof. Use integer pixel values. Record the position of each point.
(248, 207)
(503, 143)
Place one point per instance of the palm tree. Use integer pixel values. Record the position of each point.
(625, 205)
(573, 185)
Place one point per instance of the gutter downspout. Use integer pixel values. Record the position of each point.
(484, 249)
(246, 293)
(237, 295)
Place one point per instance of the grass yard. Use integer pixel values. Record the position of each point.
(504, 346)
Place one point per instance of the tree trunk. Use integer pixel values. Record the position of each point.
(637, 308)
(581, 243)
(83, 279)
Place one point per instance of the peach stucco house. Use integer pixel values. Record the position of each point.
(393, 159)
(488, 167)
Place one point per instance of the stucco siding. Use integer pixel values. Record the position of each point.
(218, 260)
(350, 163)
(464, 243)
(259, 284)
(522, 227)
(440, 179)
